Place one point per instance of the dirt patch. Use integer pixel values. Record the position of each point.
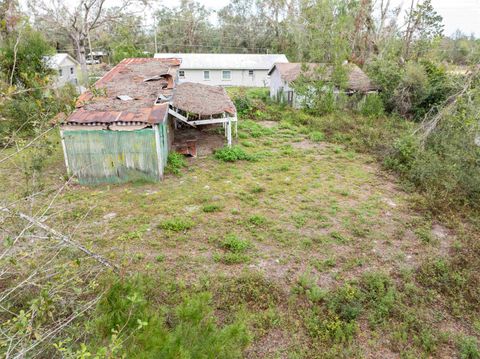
(207, 140)
(274, 344)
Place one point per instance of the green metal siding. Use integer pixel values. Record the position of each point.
(99, 156)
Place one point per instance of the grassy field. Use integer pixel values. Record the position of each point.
(306, 249)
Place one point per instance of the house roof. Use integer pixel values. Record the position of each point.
(226, 61)
(142, 80)
(357, 79)
(203, 100)
(56, 60)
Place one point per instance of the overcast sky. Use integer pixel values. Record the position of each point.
(457, 14)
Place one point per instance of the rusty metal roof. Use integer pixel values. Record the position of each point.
(142, 79)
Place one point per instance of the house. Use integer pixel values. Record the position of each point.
(249, 70)
(68, 69)
(124, 128)
(283, 76)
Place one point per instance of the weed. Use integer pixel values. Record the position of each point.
(468, 348)
(235, 244)
(210, 208)
(257, 220)
(175, 163)
(257, 189)
(160, 258)
(178, 224)
(232, 154)
(339, 238)
(317, 136)
(322, 265)
(248, 144)
(231, 258)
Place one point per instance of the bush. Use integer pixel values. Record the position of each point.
(190, 331)
(371, 106)
(175, 163)
(232, 154)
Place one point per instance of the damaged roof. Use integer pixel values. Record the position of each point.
(203, 100)
(129, 93)
(357, 79)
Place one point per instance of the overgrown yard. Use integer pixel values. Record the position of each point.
(303, 248)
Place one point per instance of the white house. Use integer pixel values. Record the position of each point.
(68, 69)
(249, 70)
(283, 75)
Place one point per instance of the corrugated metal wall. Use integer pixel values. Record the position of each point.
(104, 156)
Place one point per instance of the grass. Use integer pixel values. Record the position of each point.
(293, 245)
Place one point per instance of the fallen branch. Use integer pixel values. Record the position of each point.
(65, 239)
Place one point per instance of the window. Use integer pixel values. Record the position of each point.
(181, 74)
(206, 75)
(250, 73)
(71, 70)
(60, 72)
(226, 75)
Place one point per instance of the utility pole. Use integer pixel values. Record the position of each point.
(155, 32)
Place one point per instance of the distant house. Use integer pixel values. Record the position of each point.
(249, 70)
(125, 128)
(67, 68)
(283, 75)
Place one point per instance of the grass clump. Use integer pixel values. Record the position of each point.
(235, 249)
(317, 136)
(210, 208)
(257, 220)
(235, 244)
(232, 154)
(178, 224)
(468, 348)
(175, 163)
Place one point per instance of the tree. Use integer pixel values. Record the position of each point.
(423, 25)
(184, 28)
(77, 21)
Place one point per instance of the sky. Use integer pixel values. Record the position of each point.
(457, 14)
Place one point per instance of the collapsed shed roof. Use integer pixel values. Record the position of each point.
(139, 80)
(203, 100)
(357, 79)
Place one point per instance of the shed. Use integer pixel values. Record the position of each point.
(250, 70)
(123, 129)
(283, 75)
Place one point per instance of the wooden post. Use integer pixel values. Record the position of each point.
(65, 152)
(229, 133)
(159, 151)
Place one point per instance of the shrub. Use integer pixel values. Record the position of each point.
(140, 331)
(232, 154)
(371, 106)
(179, 224)
(175, 163)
